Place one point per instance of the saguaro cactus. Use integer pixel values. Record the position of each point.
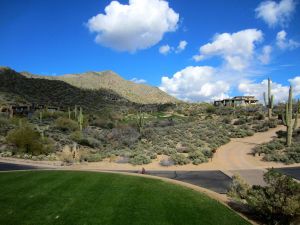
(269, 100)
(41, 116)
(75, 112)
(80, 119)
(42, 130)
(69, 113)
(288, 120)
(10, 112)
(140, 121)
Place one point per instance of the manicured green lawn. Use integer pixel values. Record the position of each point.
(57, 197)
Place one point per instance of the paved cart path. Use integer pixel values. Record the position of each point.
(232, 158)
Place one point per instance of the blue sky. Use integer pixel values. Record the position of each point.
(242, 42)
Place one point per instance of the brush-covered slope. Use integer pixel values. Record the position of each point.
(19, 88)
(139, 93)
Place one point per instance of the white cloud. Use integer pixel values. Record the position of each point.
(274, 13)
(138, 81)
(296, 84)
(138, 25)
(199, 83)
(279, 91)
(181, 46)
(265, 57)
(165, 49)
(283, 43)
(236, 49)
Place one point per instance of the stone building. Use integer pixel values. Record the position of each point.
(237, 101)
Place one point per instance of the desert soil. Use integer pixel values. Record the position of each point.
(232, 158)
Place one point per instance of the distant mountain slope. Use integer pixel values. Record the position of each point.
(139, 93)
(17, 88)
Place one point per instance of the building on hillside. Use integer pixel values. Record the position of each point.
(25, 109)
(237, 101)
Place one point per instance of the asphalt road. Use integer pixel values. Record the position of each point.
(11, 166)
(214, 180)
(291, 171)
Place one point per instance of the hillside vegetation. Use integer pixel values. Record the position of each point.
(17, 88)
(138, 93)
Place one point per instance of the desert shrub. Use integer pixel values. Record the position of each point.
(152, 155)
(49, 114)
(207, 153)
(125, 136)
(4, 122)
(166, 162)
(140, 159)
(238, 188)
(262, 127)
(210, 109)
(179, 159)
(103, 123)
(89, 157)
(276, 203)
(259, 116)
(197, 157)
(65, 124)
(76, 136)
(272, 123)
(27, 140)
(270, 148)
(168, 151)
(240, 121)
(89, 141)
(279, 201)
(227, 120)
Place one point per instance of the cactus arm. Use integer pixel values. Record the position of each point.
(80, 119)
(296, 121)
(269, 99)
(272, 102)
(289, 118)
(265, 99)
(69, 112)
(283, 119)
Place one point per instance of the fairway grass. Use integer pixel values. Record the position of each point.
(67, 197)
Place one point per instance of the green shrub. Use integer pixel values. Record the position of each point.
(238, 189)
(210, 109)
(27, 140)
(152, 155)
(276, 203)
(227, 120)
(179, 159)
(103, 123)
(4, 122)
(279, 201)
(89, 157)
(76, 136)
(89, 141)
(259, 116)
(240, 121)
(140, 159)
(207, 153)
(65, 124)
(197, 157)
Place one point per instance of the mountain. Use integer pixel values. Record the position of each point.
(19, 88)
(138, 93)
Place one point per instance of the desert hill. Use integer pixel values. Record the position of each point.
(138, 93)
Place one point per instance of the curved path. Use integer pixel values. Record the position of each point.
(232, 158)
(236, 157)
